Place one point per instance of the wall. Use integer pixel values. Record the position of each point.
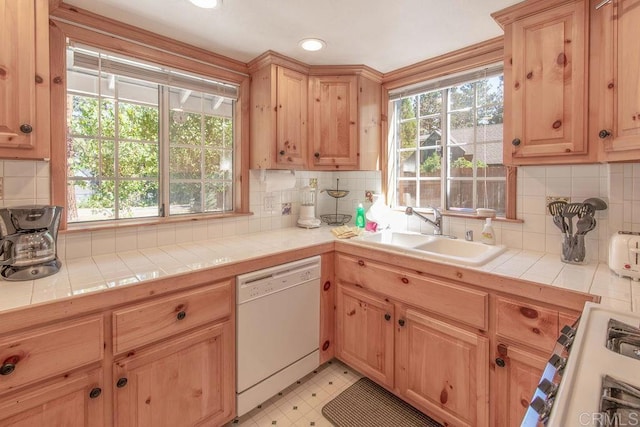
(26, 182)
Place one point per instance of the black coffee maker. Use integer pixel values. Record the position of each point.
(28, 237)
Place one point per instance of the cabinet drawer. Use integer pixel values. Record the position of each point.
(527, 323)
(50, 351)
(464, 305)
(151, 321)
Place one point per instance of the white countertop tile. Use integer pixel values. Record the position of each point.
(127, 268)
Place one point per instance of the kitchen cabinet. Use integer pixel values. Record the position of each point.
(614, 125)
(24, 79)
(517, 373)
(278, 129)
(179, 359)
(364, 333)
(333, 127)
(545, 81)
(442, 368)
(439, 367)
(189, 380)
(74, 400)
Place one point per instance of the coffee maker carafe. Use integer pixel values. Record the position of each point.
(28, 236)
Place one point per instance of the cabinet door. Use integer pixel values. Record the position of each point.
(517, 374)
(77, 400)
(443, 369)
(291, 127)
(184, 382)
(545, 85)
(364, 333)
(615, 81)
(24, 79)
(334, 130)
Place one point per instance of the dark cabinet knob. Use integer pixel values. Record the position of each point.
(181, 315)
(387, 317)
(26, 128)
(500, 362)
(122, 382)
(7, 368)
(95, 392)
(516, 142)
(604, 134)
(316, 155)
(282, 152)
(401, 322)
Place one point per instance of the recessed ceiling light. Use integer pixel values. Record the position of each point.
(312, 44)
(207, 4)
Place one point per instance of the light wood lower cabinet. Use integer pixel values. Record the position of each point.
(75, 400)
(442, 368)
(365, 333)
(517, 373)
(188, 381)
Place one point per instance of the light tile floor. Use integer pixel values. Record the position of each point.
(301, 403)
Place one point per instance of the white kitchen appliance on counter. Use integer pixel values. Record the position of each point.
(624, 254)
(307, 217)
(593, 375)
(278, 329)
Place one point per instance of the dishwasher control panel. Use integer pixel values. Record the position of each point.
(264, 282)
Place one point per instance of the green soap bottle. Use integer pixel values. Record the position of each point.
(360, 221)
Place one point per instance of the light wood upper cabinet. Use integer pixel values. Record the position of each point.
(334, 125)
(443, 369)
(24, 79)
(278, 129)
(183, 382)
(615, 81)
(364, 333)
(546, 53)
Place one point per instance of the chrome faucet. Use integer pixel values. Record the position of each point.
(436, 222)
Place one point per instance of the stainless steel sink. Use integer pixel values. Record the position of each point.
(439, 248)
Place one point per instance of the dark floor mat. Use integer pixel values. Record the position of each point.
(366, 404)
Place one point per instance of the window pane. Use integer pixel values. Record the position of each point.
(83, 116)
(408, 134)
(90, 158)
(460, 194)
(461, 128)
(218, 196)
(185, 198)
(185, 163)
(218, 132)
(430, 103)
(185, 128)
(92, 200)
(430, 192)
(107, 118)
(490, 91)
(491, 194)
(462, 97)
(137, 122)
(489, 160)
(406, 164)
(408, 108)
(461, 161)
(431, 131)
(430, 162)
(137, 199)
(138, 160)
(406, 194)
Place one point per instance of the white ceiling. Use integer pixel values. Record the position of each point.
(383, 35)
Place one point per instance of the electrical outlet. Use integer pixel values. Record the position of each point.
(551, 199)
(269, 203)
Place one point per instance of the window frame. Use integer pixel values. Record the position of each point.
(442, 89)
(460, 61)
(87, 29)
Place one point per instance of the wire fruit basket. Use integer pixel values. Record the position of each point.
(336, 218)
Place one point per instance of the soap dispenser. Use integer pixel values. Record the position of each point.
(488, 236)
(360, 221)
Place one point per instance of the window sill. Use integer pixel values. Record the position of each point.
(142, 222)
(456, 214)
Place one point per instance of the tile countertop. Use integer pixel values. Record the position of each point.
(99, 273)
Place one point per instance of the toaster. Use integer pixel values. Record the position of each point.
(624, 254)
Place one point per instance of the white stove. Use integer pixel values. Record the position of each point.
(598, 371)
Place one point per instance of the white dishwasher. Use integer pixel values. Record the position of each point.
(278, 329)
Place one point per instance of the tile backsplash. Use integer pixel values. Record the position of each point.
(27, 182)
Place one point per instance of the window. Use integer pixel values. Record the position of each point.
(447, 144)
(145, 141)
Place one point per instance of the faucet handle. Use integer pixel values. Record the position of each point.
(468, 235)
